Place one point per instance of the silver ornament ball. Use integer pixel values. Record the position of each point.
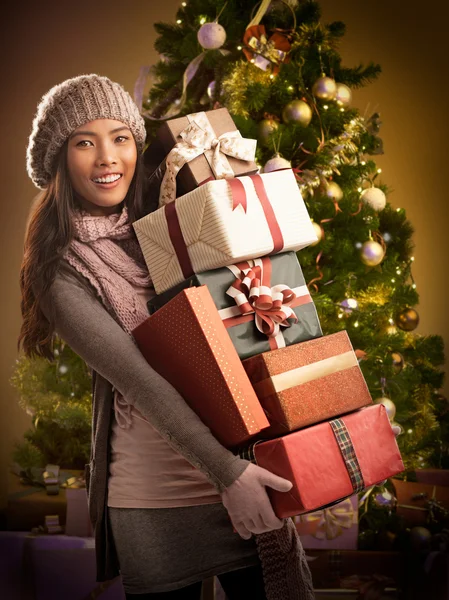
(374, 197)
(343, 95)
(372, 253)
(276, 164)
(211, 36)
(297, 111)
(324, 88)
(390, 406)
(211, 90)
(348, 305)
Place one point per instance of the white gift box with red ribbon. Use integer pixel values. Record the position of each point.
(223, 222)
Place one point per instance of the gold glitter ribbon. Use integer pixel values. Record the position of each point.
(329, 523)
(300, 375)
(199, 138)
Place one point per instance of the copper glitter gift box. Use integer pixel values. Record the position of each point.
(308, 382)
(329, 461)
(186, 342)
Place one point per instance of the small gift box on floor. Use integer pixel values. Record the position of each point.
(308, 382)
(263, 303)
(186, 342)
(334, 528)
(198, 147)
(415, 500)
(221, 223)
(329, 461)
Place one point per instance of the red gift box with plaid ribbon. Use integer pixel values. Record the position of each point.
(330, 461)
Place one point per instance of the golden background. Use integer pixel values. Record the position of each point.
(45, 42)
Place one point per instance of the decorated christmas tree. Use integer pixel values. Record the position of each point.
(276, 67)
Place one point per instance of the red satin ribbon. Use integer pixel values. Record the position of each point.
(177, 239)
(238, 194)
(273, 225)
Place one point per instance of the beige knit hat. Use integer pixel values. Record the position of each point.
(70, 104)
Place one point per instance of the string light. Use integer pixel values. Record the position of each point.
(398, 271)
(271, 76)
(325, 106)
(409, 431)
(393, 280)
(360, 189)
(363, 163)
(414, 286)
(290, 88)
(342, 110)
(398, 209)
(379, 170)
(412, 258)
(184, 4)
(356, 324)
(202, 20)
(391, 321)
(179, 21)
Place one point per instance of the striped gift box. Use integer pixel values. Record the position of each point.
(223, 222)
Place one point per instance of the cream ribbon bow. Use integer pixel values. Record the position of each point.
(332, 520)
(199, 138)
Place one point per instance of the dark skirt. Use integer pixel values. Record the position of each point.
(164, 549)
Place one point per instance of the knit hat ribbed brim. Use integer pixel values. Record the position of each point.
(67, 106)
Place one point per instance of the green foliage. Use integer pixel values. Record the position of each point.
(58, 397)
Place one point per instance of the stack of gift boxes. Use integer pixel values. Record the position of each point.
(234, 329)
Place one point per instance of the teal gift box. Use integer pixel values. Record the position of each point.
(256, 299)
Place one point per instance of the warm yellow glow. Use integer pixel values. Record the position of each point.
(391, 321)
(342, 110)
(179, 21)
(360, 189)
(184, 4)
(356, 324)
(290, 88)
(363, 163)
(398, 209)
(393, 280)
(325, 107)
(252, 60)
(239, 47)
(409, 430)
(340, 315)
(203, 20)
(414, 286)
(379, 170)
(271, 76)
(412, 258)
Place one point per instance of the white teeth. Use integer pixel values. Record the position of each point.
(108, 179)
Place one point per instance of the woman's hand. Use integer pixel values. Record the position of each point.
(248, 504)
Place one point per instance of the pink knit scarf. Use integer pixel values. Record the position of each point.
(105, 250)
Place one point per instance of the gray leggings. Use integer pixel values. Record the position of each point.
(238, 585)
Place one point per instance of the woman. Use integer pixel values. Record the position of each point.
(170, 505)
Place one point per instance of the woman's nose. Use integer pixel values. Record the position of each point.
(106, 155)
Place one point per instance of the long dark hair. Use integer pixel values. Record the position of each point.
(48, 234)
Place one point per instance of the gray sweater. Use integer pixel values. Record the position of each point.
(84, 324)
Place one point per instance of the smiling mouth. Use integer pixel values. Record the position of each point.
(109, 179)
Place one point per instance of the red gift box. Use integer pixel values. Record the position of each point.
(307, 383)
(330, 461)
(186, 342)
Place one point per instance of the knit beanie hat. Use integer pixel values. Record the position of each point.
(67, 106)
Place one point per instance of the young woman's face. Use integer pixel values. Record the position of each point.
(101, 160)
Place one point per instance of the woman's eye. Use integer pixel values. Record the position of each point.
(121, 138)
(83, 143)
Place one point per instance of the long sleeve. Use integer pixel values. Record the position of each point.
(86, 326)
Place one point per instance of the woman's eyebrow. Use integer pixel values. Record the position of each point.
(75, 133)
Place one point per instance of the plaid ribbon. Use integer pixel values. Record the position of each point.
(247, 452)
(348, 453)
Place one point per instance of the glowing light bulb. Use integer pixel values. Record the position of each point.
(409, 431)
(393, 280)
(179, 21)
(202, 20)
(412, 258)
(391, 321)
(290, 88)
(184, 3)
(398, 210)
(360, 189)
(342, 110)
(379, 170)
(356, 324)
(325, 106)
(414, 286)
(363, 163)
(271, 76)
(239, 47)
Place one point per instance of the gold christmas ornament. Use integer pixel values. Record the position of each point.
(324, 88)
(407, 319)
(276, 164)
(334, 191)
(371, 253)
(343, 95)
(319, 233)
(211, 36)
(266, 128)
(398, 361)
(374, 197)
(390, 406)
(297, 111)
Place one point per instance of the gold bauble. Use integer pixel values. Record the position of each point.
(343, 95)
(266, 128)
(390, 406)
(374, 197)
(407, 319)
(398, 361)
(297, 111)
(334, 191)
(372, 253)
(324, 88)
(319, 233)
